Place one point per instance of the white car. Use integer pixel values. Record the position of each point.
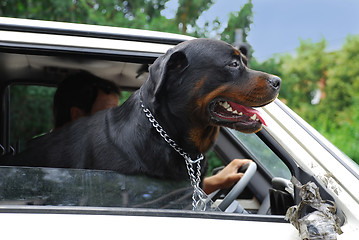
(49, 203)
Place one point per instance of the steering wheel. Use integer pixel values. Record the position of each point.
(249, 170)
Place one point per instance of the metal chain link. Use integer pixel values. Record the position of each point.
(198, 196)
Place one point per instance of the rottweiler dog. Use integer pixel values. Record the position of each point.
(192, 90)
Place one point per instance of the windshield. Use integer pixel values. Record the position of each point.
(263, 154)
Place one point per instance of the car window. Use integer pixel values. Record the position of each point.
(262, 153)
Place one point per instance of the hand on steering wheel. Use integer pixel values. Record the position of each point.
(249, 170)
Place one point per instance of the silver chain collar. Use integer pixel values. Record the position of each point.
(199, 197)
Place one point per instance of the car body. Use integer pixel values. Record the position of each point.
(88, 204)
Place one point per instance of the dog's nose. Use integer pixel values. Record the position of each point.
(274, 81)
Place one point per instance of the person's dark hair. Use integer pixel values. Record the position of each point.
(78, 90)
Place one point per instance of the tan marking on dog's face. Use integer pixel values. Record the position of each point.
(202, 103)
(200, 83)
(203, 135)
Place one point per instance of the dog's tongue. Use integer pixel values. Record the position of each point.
(247, 111)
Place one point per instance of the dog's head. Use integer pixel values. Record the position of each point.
(205, 82)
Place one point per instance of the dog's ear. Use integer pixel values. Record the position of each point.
(176, 63)
(170, 65)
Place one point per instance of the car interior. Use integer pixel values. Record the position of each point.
(269, 192)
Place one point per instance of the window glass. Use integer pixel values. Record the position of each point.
(263, 154)
(76, 187)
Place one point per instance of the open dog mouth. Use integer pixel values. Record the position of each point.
(236, 116)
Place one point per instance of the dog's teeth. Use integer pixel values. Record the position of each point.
(226, 105)
(254, 117)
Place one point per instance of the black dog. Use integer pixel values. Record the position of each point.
(193, 89)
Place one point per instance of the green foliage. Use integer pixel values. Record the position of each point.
(189, 11)
(342, 130)
(30, 112)
(207, 30)
(304, 71)
(239, 20)
(341, 104)
(141, 14)
(76, 11)
(213, 162)
(271, 65)
(343, 77)
(124, 96)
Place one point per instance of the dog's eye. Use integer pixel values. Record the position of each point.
(234, 64)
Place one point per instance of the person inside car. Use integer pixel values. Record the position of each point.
(84, 94)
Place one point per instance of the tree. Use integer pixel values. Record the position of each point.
(122, 13)
(302, 72)
(70, 11)
(189, 11)
(343, 77)
(142, 14)
(239, 20)
(332, 74)
(342, 99)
